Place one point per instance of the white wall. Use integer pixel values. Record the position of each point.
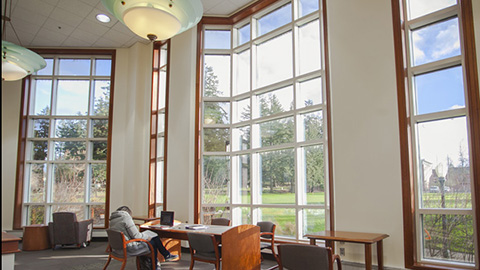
(366, 154)
(181, 126)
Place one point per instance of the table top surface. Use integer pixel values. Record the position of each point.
(343, 236)
(182, 228)
(8, 237)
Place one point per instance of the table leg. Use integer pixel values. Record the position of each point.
(368, 256)
(380, 254)
(313, 241)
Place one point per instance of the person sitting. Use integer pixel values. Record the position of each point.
(121, 220)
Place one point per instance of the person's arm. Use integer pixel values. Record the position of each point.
(133, 231)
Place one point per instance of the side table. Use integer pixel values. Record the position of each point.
(35, 237)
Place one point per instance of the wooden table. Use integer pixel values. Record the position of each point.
(35, 237)
(9, 243)
(240, 244)
(354, 237)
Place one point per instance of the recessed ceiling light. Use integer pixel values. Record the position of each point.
(103, 18)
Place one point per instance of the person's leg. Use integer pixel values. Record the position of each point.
(157, 244)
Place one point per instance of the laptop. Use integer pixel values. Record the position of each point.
(166, 218)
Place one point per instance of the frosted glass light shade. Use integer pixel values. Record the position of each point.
(162, 18)
(18, 62)
(145, 21)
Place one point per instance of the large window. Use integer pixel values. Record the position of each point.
(263, 122)
(442, 105)
(67, 139)
(158, 129)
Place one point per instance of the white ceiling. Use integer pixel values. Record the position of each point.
(72, 23)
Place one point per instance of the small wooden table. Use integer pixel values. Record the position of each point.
(354, 237)
(36, 237)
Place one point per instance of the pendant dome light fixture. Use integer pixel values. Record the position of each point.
(17, 61)
(156, 19)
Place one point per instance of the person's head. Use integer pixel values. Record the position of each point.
(126, 209)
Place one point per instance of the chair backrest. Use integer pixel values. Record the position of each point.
(266, 226)
(64, 227)
(221, 221)
(304, 257)
(116, 240)
(204, 245)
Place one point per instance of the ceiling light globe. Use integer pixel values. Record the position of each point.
(12, 72)
(145, 21)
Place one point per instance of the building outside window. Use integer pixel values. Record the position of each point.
(67, 139)
(441, 133)
(264, 143)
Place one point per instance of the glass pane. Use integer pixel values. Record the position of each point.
(72, 97)
(274, 19)
(284, 218)
(43, 94)
(79, 210)
(160, 147)
(241, 110)
(98, 187)
(309, 93)
(242, 214)
(309, 58)
(313, 169)
(307, 7)
(436, 42)
(274, 60)
(216, 179)
(163, 55)
(36, 214)
(419, 8)
(210, 212)
(276, 132)
(99, 150)
(38, 176)
(159, 183)
(100, 128)
(76, 67)
(97, 212)
(103, 67)
(449, 238)
(241, 78)
(276, 101)
(277, 178)
(241, 138)
(69, 183)
(48, 69)
(313, 221)
(216, 113)
(217, 76)
(244, 34)
(161, 122)
(439, 91)
(39, 150)
(242, 190)
(40, 128)
(311, 126)
(216, 139)
(70, 150)
(217, 39)
(102, 97)
(70, 128)
(445, 166)
(162, 89)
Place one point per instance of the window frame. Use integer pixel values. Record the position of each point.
(239, 20)
(19, 218)
(412, 236)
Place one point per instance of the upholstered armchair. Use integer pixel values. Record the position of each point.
(66, 230)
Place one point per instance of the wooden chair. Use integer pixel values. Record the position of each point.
(221, 221)
(117, 248)
(267, 237)
(204, 248)
(307, 257)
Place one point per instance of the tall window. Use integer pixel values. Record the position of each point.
(158, 127)
(67, 139)
(264, 147)
(440, 125)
